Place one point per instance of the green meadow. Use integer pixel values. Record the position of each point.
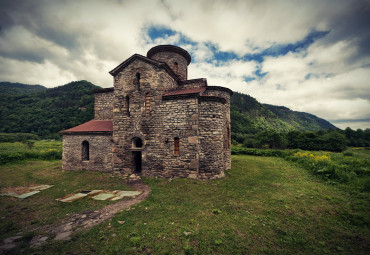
(264, 205)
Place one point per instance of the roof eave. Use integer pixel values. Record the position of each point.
(84, 132)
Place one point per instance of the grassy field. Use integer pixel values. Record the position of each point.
(264, 205)
(23, 215)
(15, 152)
(39, 146)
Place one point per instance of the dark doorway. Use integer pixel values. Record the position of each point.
(137, 161)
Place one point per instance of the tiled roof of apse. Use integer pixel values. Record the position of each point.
(185, 91)
(92, 126)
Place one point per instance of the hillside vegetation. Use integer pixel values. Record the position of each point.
(248, 116)
(35, 109)
(45, 112)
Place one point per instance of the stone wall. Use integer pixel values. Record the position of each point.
(170, 58)
(196, 83)
(100, 152)
(154, 82)
(212, 133)
(177, 117)
(225, 94)
(103, 105)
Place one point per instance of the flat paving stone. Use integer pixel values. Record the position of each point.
(72, 197)
(63, 236)
(23, 196)
(25, 192)
(103, 196)
(41, 187)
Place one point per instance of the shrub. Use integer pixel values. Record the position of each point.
(17, 137)
(51, 154)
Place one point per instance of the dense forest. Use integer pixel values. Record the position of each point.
(44, 112)
(248, 116)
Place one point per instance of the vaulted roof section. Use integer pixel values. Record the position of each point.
(187, 91)
(158, 64)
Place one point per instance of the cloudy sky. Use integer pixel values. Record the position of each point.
(311, 56)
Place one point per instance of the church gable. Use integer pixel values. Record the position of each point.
(141, 75)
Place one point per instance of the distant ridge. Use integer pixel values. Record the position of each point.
(37, 109)
(248, 116)
(19, 88)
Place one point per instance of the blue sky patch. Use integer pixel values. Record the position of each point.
(219, 57)
(159, 32)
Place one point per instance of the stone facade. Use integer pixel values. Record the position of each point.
(103, 107)
(161, 123)
(100, 152)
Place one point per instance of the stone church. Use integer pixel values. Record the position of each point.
(154, 122)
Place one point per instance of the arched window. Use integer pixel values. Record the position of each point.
(176, 67)
(137, 142)
(138, 81)
(85, 151)
(176, 146)
(147, 104)
(128, 106)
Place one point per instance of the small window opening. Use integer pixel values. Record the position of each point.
(128, 106)
(85, 151)
(147, 104)
(138, 81)
(137, 142)
(176, 150)
(176, 67)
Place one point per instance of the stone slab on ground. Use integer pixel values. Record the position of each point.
(25, 195)
(24, 192)
(99, 195)
(103, 196)
(71, 197)
(63, 236)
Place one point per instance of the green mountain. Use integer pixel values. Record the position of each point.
(10, 88)
(36, 109)
(248, 116)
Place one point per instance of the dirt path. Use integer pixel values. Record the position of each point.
(80, 221)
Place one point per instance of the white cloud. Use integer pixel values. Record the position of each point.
(55, 42)
(47, 73)
(334, 88)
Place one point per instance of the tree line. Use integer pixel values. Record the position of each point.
(326, 140)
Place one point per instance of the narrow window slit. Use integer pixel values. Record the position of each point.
(85, 151)
(138, 81)
(176, 150)
(128, 106)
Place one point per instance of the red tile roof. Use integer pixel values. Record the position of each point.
(185, 91)
(92, 126)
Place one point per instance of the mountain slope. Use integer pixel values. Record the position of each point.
(46, 111)
(300, 120)
(248, 116)
(36, 109)
(9, 88)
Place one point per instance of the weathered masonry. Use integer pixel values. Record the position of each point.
(154, 122)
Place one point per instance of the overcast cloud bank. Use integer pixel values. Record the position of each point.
(311, 56)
